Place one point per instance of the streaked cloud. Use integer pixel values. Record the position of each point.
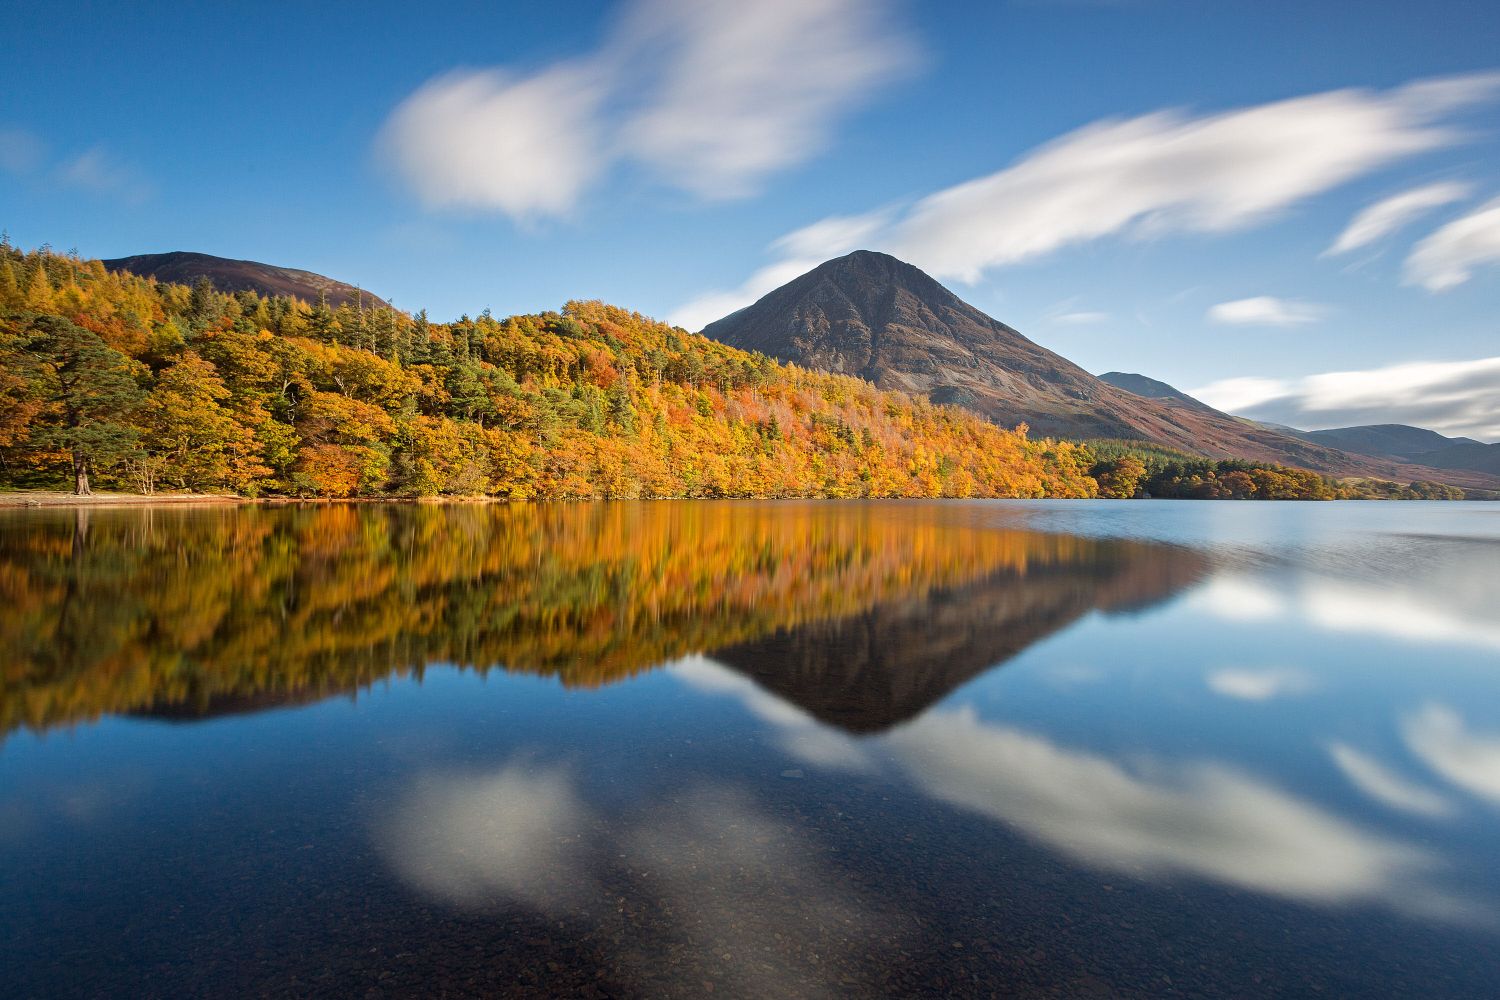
(1450, 256)
(710, 95)
(1082, 318)
(1167, 172)
(1441, 738)
(1390, 214)
(1384, 786)
(1258, 685)
(1266, 310)
(1452, 397)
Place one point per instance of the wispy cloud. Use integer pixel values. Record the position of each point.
(96, 171)
(100, 172)
(1083, 318)
(1449, 256)
(711, 95)
(1266, 310)
(1452, 397)
(21, 151)
(1390, 214)
(1160, 173)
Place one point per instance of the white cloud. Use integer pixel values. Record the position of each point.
(1258, 685)
(1380, 784)
(751, 88)
(1266, 310)
(1389, 214)
(1449, 256)
(712, 95)
(1452, 397)
(1168, 172)
(526, 146)
(1439, 736)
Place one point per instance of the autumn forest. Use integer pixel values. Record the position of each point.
(114, 381)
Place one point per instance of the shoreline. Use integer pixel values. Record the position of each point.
(25, 499)
(49, 498)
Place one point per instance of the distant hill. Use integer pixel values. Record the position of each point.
(1387, 440)
(227, 275)
(1414, 445)
(1151, 388)
(1471, 456)
(872, 315)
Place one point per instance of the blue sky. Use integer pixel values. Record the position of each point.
(1146, 185)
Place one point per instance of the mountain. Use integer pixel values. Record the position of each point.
(1385, 440)
(1416, 446)
(1465, 455)
(871, 315)
(227, 275)
(1150, 388)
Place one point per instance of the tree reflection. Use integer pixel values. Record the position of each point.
(864, 613)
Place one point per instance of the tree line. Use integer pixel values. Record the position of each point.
(110, 379)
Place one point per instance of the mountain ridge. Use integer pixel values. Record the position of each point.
(184, 267)
(872, 315)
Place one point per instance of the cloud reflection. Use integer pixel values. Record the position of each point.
(1258, 685)
(1386, 787)
(1443, 741)
(1148, 819)
(738, 895)
(1192, 817)
(511, 835)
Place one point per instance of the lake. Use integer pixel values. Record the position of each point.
(1074, 749)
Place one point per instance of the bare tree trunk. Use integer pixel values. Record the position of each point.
(81, 475)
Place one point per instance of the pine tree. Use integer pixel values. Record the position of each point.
(38, 297)
(87, 389)
(10, 289)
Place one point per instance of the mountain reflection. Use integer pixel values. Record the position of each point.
(862, 614)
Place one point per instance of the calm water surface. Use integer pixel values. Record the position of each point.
(952, 749)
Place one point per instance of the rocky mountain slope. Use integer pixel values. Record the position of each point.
(884, 320)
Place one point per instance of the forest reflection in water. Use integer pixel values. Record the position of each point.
(862, 614)
(759, 749)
